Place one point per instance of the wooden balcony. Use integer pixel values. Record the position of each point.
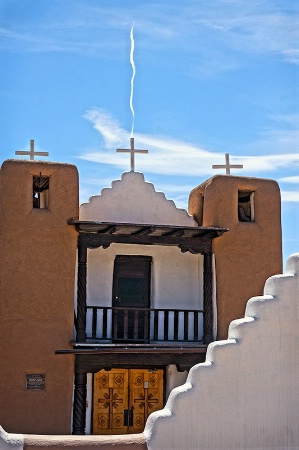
(143, 325)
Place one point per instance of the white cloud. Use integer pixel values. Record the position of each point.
(172, 157)
(254, 27)
(290, 196)
(291, 55)
(291, 180)
(107, 126)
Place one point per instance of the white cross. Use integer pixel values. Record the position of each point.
(227, 166)
(132, 152)
(31, 152)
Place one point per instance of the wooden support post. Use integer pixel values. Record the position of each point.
(81, 293)
(208, 299)
(79, 411)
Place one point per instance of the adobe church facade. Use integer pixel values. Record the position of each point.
(153, 287)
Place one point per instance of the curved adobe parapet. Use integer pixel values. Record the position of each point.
(39, 442)
(246, 394)
(133, 200)
(9, 441)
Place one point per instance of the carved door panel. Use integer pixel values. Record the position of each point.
(146, 396)
(110, 401)
(124, 398)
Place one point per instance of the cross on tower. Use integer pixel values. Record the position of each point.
(132, 152)
(227, 166)
(31, 152)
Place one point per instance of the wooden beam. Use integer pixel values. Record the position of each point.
(186, 244)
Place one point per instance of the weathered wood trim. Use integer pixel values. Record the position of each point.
(92, 363)
(194, 245)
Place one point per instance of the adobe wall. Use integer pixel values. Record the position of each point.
(37, 259)
(246, 394)
(251, 251)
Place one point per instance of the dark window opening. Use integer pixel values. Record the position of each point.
(246, 206)
(40, 191)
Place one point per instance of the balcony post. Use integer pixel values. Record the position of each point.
(79, 411)
(208, 299)
(81, 293)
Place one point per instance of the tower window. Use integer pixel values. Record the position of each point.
(40, 191)
(246, 206)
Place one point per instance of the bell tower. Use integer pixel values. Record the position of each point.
(251, 251)
(37, 258)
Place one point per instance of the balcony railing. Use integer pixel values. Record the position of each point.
(146, 325)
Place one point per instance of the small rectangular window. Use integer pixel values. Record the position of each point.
(40, 191)
(246, 206)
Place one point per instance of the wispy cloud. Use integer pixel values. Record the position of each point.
(107, 126)
(255, 27)
(290, 180)
(290, 196)
(171, 157)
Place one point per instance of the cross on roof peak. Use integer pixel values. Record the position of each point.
(132, 150)
(227, 166)
(31, 152)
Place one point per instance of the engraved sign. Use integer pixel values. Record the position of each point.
(35, 381)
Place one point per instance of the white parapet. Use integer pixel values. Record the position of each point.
(246, 394)
(9, 441)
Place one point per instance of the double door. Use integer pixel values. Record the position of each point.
(124, 398)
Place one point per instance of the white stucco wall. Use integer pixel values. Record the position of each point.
(246, 394)
(176, 277)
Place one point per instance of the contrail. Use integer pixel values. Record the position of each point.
(133, 76)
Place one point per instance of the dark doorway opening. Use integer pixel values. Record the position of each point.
(131, 297)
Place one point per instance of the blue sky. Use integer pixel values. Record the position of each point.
(211, 77)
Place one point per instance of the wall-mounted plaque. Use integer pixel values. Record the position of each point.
(35, 381)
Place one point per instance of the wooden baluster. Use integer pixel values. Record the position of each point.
(166, 317)
(126, 324)
(176, 325)
(104, 332)
(186, 321)
(115, 322)
(156, 324)
(146, 325)
(136, 324)
(195, 326)
(94, 323)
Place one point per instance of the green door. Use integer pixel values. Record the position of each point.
(131, 297)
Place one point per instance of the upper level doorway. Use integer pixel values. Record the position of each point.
(131, 297)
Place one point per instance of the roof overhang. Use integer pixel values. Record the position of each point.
(188, 239)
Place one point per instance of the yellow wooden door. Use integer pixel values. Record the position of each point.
(145, 396)
(110, 401)
(124, 398)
